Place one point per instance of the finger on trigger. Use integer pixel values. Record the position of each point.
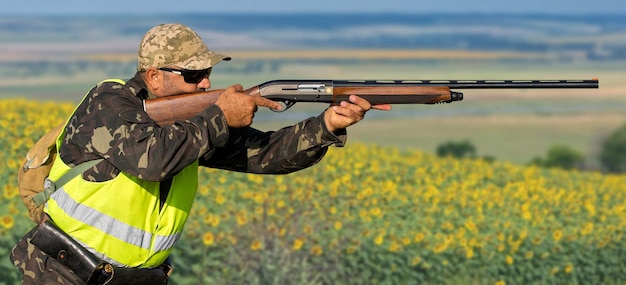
(264, 102)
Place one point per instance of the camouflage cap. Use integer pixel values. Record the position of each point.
(175, 44)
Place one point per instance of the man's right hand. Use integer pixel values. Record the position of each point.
(239, 107)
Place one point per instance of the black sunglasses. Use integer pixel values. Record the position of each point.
(190, 76)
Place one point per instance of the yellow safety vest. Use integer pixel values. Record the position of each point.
(119, 220)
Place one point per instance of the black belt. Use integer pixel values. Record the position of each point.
(92, 270)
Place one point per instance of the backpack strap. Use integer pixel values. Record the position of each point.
(51, 186)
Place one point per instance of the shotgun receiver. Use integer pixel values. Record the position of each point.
(166, 110)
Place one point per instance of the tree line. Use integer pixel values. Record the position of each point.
(611, 158)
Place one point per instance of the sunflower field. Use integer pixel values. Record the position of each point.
(369, 214)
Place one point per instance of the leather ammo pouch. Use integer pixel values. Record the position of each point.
(60, 246)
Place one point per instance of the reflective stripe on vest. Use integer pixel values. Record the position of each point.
(111, 226)
(119, 220)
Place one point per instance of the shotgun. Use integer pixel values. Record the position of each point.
(166, 110)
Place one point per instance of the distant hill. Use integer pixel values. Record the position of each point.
(574, 37)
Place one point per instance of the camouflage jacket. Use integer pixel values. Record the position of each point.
(110, 123)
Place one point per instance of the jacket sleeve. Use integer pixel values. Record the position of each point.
(111, 123)
(275, 152)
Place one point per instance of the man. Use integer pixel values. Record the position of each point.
(129, 210)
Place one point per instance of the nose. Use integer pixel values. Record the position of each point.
(205, 83)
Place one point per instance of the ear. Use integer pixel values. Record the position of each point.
(153, 78)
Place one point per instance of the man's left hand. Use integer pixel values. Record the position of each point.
(345, 113)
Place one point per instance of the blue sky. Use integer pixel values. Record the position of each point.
(41, 7)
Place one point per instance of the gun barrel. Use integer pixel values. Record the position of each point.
(486, 84)
(476, 84)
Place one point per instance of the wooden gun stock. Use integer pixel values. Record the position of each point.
(166, 110)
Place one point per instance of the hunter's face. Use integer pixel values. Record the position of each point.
(179, 81)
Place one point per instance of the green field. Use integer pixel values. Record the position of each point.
(369, 214)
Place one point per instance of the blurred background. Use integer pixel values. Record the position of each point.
(53, 51)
